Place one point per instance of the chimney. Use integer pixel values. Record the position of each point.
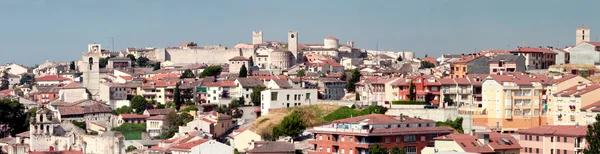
(472, 132)
(576, 125)
(484, 139)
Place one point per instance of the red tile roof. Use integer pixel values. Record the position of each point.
(594, 43)
(564, 130)
(51, 78)
(578, 90)
(270, 77)
(189, 145)
(219, 84)
(533, 50)
(471, 143)
(158, 117)
(133, 116)
(166, 111)
(239, 58)
(595, 105)
(57, 152)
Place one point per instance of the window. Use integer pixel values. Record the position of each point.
(537, 138)
(552, 139)
(410, 138)
(397, 139)
(410, 149)
(423, 138)
(537, 150)
(551, 151)
(273, 96)
(307, 95)
(328, 150)
(288, 97)
(525, 150)
(530, 150)
(565, 139)
(557, 151)
(557, 139)
(565, 151)
(320, 137)
(387, 140)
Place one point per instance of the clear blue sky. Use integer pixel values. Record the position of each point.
(32, 31)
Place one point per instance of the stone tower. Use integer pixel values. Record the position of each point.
(257, 37)
(582, 35)
(293, 44)
(91, 70)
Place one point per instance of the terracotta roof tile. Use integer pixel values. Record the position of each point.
(133, 116)
(239, 58)
(51, 78)
(189, 145)
(556, 130)
(157, 117)
(154, 112)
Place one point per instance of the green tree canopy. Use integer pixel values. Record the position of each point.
(426, 64)
(292, 125)
(131, 57)
(412, 92)
(255, 95)
(397, 150)
(124, 110)
(449, 101)
(130, 148)
(138, 103)
(351, 85)
(243, 71)
(103, 62)
(174, 120)
(142, 61)
(4, 83)
(13, 116)
(213, 70)
(377, 149)
(177, 97)
(72, 66)
(429, 97)
(156, 66)
(456, 124)
(188, 109)
(593, 137)
(27, 79)
(160, 106)
(343, 77)
(301, 73)
(187, 74)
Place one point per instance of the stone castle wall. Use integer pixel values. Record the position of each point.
(210, 56)
(93, 143)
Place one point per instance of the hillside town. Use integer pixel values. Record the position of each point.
(288, 97)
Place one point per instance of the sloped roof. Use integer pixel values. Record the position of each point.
(250, 82)
(506, 58)
(273, 147)
(556, 130)
(160, 111)
(51, 78)
(239, 58)
(284, 84)
(189, 145)
(157, 117)
(133, 116)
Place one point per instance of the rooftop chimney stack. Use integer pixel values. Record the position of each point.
(484, 139)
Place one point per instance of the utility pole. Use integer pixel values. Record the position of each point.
(113, 44)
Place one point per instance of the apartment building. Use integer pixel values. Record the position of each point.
(469, 64)
(159, 90)
(245, 86)
(553, 139)
(373, 90)
(460, 90)
(536, 58)
(285, 98)
(588, 113)
(502, 64)
(569, 102)
(423, 85)
(514, 102)
(355, 135)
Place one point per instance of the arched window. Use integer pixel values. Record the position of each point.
(91, 60)
(48, 128)
(292, 36)
(41, 119)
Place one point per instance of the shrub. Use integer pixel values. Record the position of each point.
(408, 102)
(128, 127)
(188, 109)
(79, 124)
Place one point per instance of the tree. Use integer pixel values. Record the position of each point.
(429, 97)
(426, 64)
(156, 66)
(31, 113)
(123, 110)
(188, 109)
(593, 137)
(243, 72)
(131, 57)
(397, 150)
(142, 61)
(177, 97)
(292, 125)
(449, 101)
(187, 74)
(4, 83)
(160, 106)
(301, 73)
(377, 149)
(412, 92)
(343, 77)
(130, 148)
(72, 66)
(235, 151)
(213, 70)
(138, 104)
(175, 120)
(399, 58)
(255, 95)
(13, 117)
(103, 62)
(351, 85)
(27, 79)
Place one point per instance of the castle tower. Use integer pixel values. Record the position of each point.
(91, 70)
(293, 44)
(257, 37)
(582, 35)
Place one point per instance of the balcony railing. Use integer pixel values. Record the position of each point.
(341, 130)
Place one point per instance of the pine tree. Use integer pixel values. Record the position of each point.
(412, 92)
(72, 65)
(343, 77)
(592, 138)
(177, 97)
(351, 85)
(301, 73)
(243, 72)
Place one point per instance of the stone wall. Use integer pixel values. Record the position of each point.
(211, 56)
(88, 143)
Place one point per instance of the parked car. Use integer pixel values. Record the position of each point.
(430, 107)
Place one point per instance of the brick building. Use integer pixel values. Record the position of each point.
(355, 135)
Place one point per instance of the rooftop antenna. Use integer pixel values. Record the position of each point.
(113, 43)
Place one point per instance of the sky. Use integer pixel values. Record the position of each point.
(32, 31)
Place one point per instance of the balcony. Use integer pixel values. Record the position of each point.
(341, 130)
(448, 91)
(464, 91)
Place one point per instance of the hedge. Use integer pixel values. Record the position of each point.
(409, 103)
